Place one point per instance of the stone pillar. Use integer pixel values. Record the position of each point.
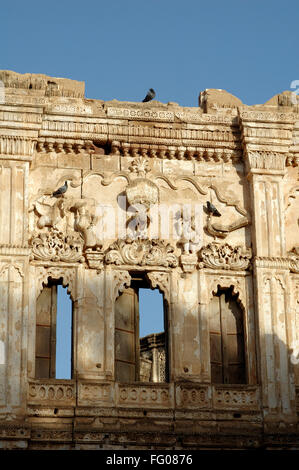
(266, 142)
(14, 262)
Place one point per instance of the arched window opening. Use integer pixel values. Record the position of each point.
(227, 347)
(53, 348)
(140, 334)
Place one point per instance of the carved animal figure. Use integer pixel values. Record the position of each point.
(150, 95)
(60, 191)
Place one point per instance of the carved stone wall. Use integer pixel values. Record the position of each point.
(95, 195)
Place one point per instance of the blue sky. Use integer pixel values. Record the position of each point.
(120, 48)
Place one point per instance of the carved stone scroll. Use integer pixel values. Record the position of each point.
(56, 246)
(142, 253)
(225, 256)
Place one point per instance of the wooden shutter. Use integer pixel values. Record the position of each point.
(45, 347)
(226, 340)
(127, 337)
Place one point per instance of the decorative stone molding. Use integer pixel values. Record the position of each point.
(19, 267)
(228, 282)
(142, 191)
(271, 262)
(161, 281)
(9, 250)
(94, 394)
(121, 280)
(225, 256)
(95, 259)
(143, 395)
(218, 230)
(16, 147)
(64, 146)
(193, 396)
(56, 246)
(141, 253)
(236, 398)
(263, 116)
(266, 160)
(67, 274)
(62, 393)
(189, 261)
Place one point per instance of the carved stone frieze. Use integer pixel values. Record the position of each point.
(225, 256)
(142, 253)
(57, 246)
(193, 396)
(54, 393)
(93, 394)
(266, 160)
(232, 398)
(129, 395)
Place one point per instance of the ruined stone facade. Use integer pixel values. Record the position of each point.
(230, 282)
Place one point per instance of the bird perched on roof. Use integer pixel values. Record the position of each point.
(60, 191)
(150, 95)
(212, 209)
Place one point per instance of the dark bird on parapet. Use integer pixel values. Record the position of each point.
(212, 209)
(150, 95)
(60, 191)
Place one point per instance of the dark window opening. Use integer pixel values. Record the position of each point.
(53, 350)
(141, 351)
(227, 348)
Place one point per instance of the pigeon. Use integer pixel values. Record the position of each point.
(60, 191)
(150, 95)
(212, 209)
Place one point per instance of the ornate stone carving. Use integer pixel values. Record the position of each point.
(193, 396)
(228, 398)
(142, 253)
(59, 393)
(142, 191)
(68, 276)
(294, 259)
(57, 246)
(189, 232)
(85, 221)
(225, 256)
(266, 160)
(161, 281)
(221, 230)
(50, 215)
(95, 258)
(140, 166)
(121, 280)
(149, 395)
(94, 393)
(189, 262)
